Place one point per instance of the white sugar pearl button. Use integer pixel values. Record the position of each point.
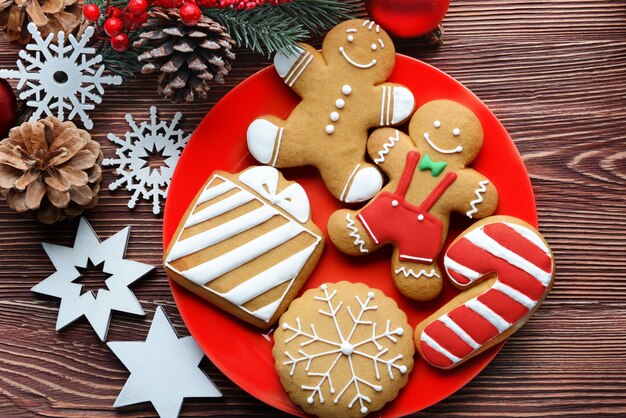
(394, 203)
(346, 89)
(334, 116)
(350, 38)
(420, 217)
(374, 47)
(340, 103)
(456, 132)
(437, 124)
(330, 129)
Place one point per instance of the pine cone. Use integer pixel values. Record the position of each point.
(50, 169)
(50, 16)
(187, 57)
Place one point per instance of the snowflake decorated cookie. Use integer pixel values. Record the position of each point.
(343, 350)
(344, 93)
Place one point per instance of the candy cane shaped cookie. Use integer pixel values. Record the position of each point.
(508, 270)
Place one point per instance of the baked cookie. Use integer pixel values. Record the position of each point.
(343, 93)
(428, 179)
(343, 350)
(505, 269)
(246, 244)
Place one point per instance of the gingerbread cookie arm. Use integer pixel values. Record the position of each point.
(388, 147)
(348, 233)
(299, 66)
(394, 106)
(477, 195)
(508, 269)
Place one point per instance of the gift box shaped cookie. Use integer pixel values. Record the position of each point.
(246, 244)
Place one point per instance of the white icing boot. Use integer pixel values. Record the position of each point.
(366, 183)
(403, 104)
(262, 136)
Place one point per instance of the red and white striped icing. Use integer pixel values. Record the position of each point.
(524, 267)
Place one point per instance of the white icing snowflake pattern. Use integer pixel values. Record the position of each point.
(146, 182)
(59, 79)
(344, 347)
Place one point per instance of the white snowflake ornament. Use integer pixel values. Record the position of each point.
(164, 369)
(60, 79)
(96, 307)
(343, 350)
(133, 154)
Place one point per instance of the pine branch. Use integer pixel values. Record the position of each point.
(261, 29)
(318, 15)
(269, 28)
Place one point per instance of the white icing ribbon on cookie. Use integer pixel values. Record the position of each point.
(479, 198)
(264, 181)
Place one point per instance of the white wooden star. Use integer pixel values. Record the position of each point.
(163, 369)
(116, 296)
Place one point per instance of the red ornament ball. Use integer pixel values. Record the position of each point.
(120, 42)
(190, 14)
(91, 12)
(138, 7)
(407, 18)
(8, 107)
(113, 26)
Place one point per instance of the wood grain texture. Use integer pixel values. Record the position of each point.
(553, 71)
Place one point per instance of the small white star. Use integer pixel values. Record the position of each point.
(163, 369)
(116, 296)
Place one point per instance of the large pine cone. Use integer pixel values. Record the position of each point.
(188, 58)
(50, 16)
(50, 169)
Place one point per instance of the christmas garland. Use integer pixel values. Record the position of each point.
(263, 26)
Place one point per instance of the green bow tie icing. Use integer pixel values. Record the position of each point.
(435, 167)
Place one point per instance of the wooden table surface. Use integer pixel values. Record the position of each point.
(553, 71)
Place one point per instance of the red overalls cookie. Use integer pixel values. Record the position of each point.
(428, 179)
(343, 93)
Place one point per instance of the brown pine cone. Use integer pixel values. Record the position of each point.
(188, 58)
(50, 169)
(50, 16)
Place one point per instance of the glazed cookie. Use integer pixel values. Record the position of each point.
(505, 269)
(246, 244)
(428, 179)
(343, 93)
(343, 350)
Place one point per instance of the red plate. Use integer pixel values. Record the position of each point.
(242, 352)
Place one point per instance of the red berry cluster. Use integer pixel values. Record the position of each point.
(238, 4)
(119, 21)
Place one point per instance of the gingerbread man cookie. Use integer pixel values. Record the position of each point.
(428, 179)
(343, 93)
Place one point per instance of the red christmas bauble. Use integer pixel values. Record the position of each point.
(138, 7)
(190, 14)
(8, 107)
(113, 26)
(91, 12)
(120, 42)
(407, 18)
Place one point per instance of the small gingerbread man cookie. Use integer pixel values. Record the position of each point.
(428, 179)
(343, 93)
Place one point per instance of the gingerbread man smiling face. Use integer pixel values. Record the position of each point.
(343, 93)
(361, 45)
(429, 179)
